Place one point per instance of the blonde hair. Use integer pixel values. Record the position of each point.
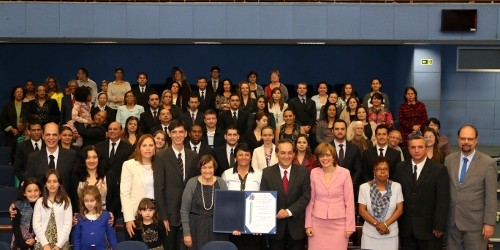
(94, 192)
(351, 130)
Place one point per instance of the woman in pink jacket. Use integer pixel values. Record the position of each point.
(330, 213)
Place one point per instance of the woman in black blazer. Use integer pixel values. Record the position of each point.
(13, 117)
(43, 108)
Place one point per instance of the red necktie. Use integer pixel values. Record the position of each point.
(285, 182)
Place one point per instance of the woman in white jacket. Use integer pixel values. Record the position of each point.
(265, 155)
(137, 180)
(52, 215)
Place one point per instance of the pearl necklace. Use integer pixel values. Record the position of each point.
(203, 197)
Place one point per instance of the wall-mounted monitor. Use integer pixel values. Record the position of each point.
(459, 20)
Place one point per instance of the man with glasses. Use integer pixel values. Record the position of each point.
(473, 190)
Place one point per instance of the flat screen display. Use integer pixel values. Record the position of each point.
(459, 20)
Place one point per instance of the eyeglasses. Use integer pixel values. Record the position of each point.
(464, 139)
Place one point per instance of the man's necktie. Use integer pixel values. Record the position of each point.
(341, 155)
(166, 129)
(192, 118)
(415, 174)
(285, 181)
(381, 152)
(36, 146)
(203, 95)
(235, 118)
(194, 149)
(52, 163)
(112, 153)
(181, 165)
(463, 171)
(231, 158)
(154, 115)
(303, 101)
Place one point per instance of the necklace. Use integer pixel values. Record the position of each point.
(203, 197)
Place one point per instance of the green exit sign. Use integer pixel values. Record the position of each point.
(425, 61)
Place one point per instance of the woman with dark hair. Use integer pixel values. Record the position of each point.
(347, 92)
(117, 89)
(261, 105)
(349, 113)
(197, 206)
(102, 105)
(247, 103)
(378, 113)
(243, 177)
(132, 131)
(369, 126)
(303, 154)
(444, 142)
(42, 108)
(275, 83)
(223, 95)
(277, 106)
(290, 129)
(137, 180)
(380, 205)
(129, 109)
(179, 77)
(321, 98)
(178, 98)
(431, 145)
(412, 115)
(53, 90)
(13, 117)
(255, 89)
(376, 85)
(324, 126)
(90, 172)
(29, 89)
(253, 137)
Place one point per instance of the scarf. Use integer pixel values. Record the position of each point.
(380, 203)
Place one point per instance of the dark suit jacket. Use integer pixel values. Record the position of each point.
(202, 149)
(371, 154)
(91, 135)
(142, 98)
(426, 203)
(186, 119)
(218, 137)
(21, 161)
(220, 155)
(210, 86)
(226, 119)
(208, 102)
(304, 114)
(8, 117)
(352, 161)
(38, 164)
(299, 193)
(122, 153)
(147, 121)
(250, 107)
(168, 182)
(66, 107)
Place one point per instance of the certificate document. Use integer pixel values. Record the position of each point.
(246, 211)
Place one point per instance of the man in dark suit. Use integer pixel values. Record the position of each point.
(165, 120)
(150, 117)
(26, 147)
(110, 113)
(95, 133)
(382, 149)
(194, 142)
(142, 90)
(292, 202)
(207, 96)
(225, 154)
(426, 190)
(193, 114)
(348, 154)
(213, 136)
(173, 167)
(67, 103)
(304, 108)
(215, 83)
(473, 192)
(52, 157)
(112, 161)
(234, 116)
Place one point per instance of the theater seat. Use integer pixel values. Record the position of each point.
(7, 176)
(219, 245)
(5, 155)
(135, 245)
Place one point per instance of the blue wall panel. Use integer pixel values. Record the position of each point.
(309, 22)
(42, 20)
(276, 22)
(109, 21)
(480, 87)
(13, 20)
(428, 86)
(377, 22)
(343, 22)
(410, 22)
(454, 86)
(143, 21)
(210, 21)
(176, 21)
(243, 23)
(77, 20)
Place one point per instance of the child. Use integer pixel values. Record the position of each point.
(22, 224)
(81, 111)
(52, 215)
(148, 228)
(92, 228)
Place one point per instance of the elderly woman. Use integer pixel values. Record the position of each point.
(356, 135)
(380, 205)
(129, 109)
(197, 206)
(137, 180)
(243, 177)
(330, 213)
(412, 115)
(275, 83)
(43, 108)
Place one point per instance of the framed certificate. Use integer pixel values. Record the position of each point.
(246, 211)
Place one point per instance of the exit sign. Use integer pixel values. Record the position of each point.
(425, 61)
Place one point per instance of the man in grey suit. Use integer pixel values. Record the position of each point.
(473, 192)
(173, 167)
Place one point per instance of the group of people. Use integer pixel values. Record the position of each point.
(156, 159)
